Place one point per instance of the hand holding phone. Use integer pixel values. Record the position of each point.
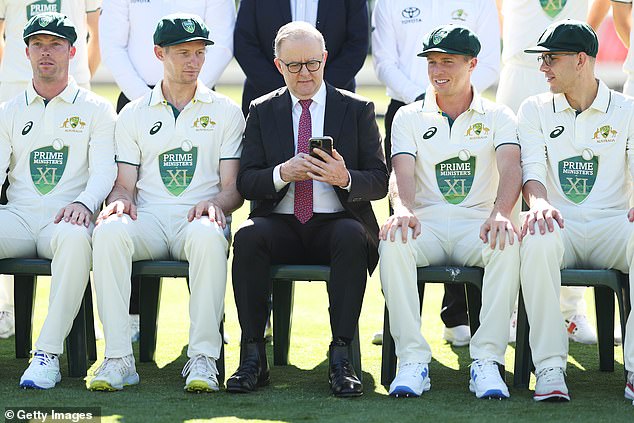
(322, 143)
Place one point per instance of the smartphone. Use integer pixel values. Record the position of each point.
(323, 143)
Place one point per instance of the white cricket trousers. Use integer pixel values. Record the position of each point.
(591, 239)
(161, 233)
(450, 236)
(30, 233)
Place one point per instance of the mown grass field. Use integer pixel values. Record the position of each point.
(299, 392)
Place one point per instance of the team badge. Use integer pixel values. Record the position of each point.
(455, 177)
(189, 26)
(577, 176)
(41, 6)
(439, 36)
(477, 130)
(73, 124)
(459, 15)
(47, 166)
(553, 7)
(177, 168)
(605, 133)
(204, 122)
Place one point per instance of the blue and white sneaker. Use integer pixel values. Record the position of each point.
(42, 373)
(411, 380)
(486, 381)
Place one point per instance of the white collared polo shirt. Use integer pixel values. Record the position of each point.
(454, 165)
(59, 152)
(582, 159)
(178, 158)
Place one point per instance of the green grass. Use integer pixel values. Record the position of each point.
(299, 392)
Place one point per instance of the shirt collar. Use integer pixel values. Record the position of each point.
(202, 94)
(69, 94)
(430, 105)
(319, 97)
(601, 101)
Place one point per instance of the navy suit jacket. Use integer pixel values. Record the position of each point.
(343, 23)
(349, 119)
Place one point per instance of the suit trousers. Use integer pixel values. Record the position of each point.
(334, 239)
(450, 236)
(162, 233)
(29, 233)
(592, 239)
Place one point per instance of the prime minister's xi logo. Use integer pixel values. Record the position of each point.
(189, 26)
(553, 7)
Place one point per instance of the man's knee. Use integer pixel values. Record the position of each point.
(112, 231)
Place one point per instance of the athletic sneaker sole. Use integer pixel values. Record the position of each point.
(200, 386)
(555, 396)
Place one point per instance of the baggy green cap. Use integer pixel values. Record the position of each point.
(567, 35)
(50, 23)
(180, 28)
(451, 39)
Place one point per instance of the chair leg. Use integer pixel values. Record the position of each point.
(623, 297)
(76, 343)
(24, 297)
(474, 304)
(604, 304)
(355, 355)
(282, 317)
(150, 297)
(388, 356)
(523, 361)
(91, 342)
(220, 363)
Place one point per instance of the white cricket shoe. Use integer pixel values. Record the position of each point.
(458, 336)
(579, 330)
(411, 380)
(486, 381)
(551, 385)
(629, 387)
(201, 373)
(7, 324)
(114, 374)
(135, 328)
(42, 373)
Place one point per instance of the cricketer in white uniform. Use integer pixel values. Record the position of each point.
(399, 28)
(178, 150)
(127, 49)
(456, 179)
(520, 78)
(56, 139)
(577, 166)
(623, 15)
(15, 76)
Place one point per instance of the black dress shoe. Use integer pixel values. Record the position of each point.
(253, 371)
(342, 377)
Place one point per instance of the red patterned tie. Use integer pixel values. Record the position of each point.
(303, 208)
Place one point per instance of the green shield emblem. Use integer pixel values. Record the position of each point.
(204, 121)
(577, 177)
(189, 26)
(455, 178)
(40, 6)
(605, 130)
(47, 167)
(553, 7)
(477, 128)
(74, 121)
(177, 169)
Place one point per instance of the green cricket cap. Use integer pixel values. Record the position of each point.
(567, 35)
(50, 23)
(180, 28)
(451, 39)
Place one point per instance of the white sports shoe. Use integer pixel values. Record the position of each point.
(135, 328)
(114, 374)
(629, 387)
(551, 385)
(201, 373)
(42, 373)
(411, 380)
(7, 324)
(458, 336)
(513, 327)
(486, 381)
(579, 330)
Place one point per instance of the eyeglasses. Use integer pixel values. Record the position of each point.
(296, 67)
(548, 58)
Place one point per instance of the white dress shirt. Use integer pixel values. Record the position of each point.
(325, 199)
(304, 10)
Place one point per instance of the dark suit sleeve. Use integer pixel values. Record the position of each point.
(342, 68)
(369, 179)
(255, 177)
(259, 69)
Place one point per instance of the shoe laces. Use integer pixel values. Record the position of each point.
(484, 369)
(551, 374)
(630, 378)
(114, 365)
(5, 315)
(413, 370)
(201, 365)
(43, 358)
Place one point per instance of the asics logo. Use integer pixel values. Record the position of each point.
(410, 12)
(430, 132)
(27, 127)
(157, 127)
(557, 131)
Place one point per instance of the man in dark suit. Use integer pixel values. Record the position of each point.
(343, 23)
(308, 210)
